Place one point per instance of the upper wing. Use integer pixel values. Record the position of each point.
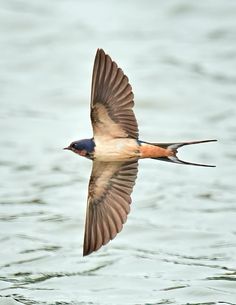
(111, 100)
(110, 186)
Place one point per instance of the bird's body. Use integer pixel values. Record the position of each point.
(115, 150)
(120, 150)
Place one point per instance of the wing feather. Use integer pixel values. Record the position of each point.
(110, 186)
(111, 100)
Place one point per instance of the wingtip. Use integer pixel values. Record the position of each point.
(85, 252)
(100, 50)
(88, 252)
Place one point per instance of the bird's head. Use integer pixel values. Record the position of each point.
(83, 148)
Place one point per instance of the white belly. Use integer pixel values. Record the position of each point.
(116, 149)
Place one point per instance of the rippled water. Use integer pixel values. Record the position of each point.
(179, 243)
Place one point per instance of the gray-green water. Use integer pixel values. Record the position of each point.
(179, 243)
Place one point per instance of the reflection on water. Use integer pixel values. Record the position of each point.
(179, 244)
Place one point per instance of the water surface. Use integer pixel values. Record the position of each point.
(178, 245)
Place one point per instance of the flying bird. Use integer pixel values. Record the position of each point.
(115, 149)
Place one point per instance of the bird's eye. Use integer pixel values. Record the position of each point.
(74, 146)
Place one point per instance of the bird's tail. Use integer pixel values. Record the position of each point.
(173, 149)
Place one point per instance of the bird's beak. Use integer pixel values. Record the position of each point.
(67, 148)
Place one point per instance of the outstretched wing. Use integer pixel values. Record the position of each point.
(111, 100)
(110, 186)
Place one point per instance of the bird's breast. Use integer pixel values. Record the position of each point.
(116, 149)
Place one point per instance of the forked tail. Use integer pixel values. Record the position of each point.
(173, 147)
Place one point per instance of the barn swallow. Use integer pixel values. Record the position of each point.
(115, 149)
